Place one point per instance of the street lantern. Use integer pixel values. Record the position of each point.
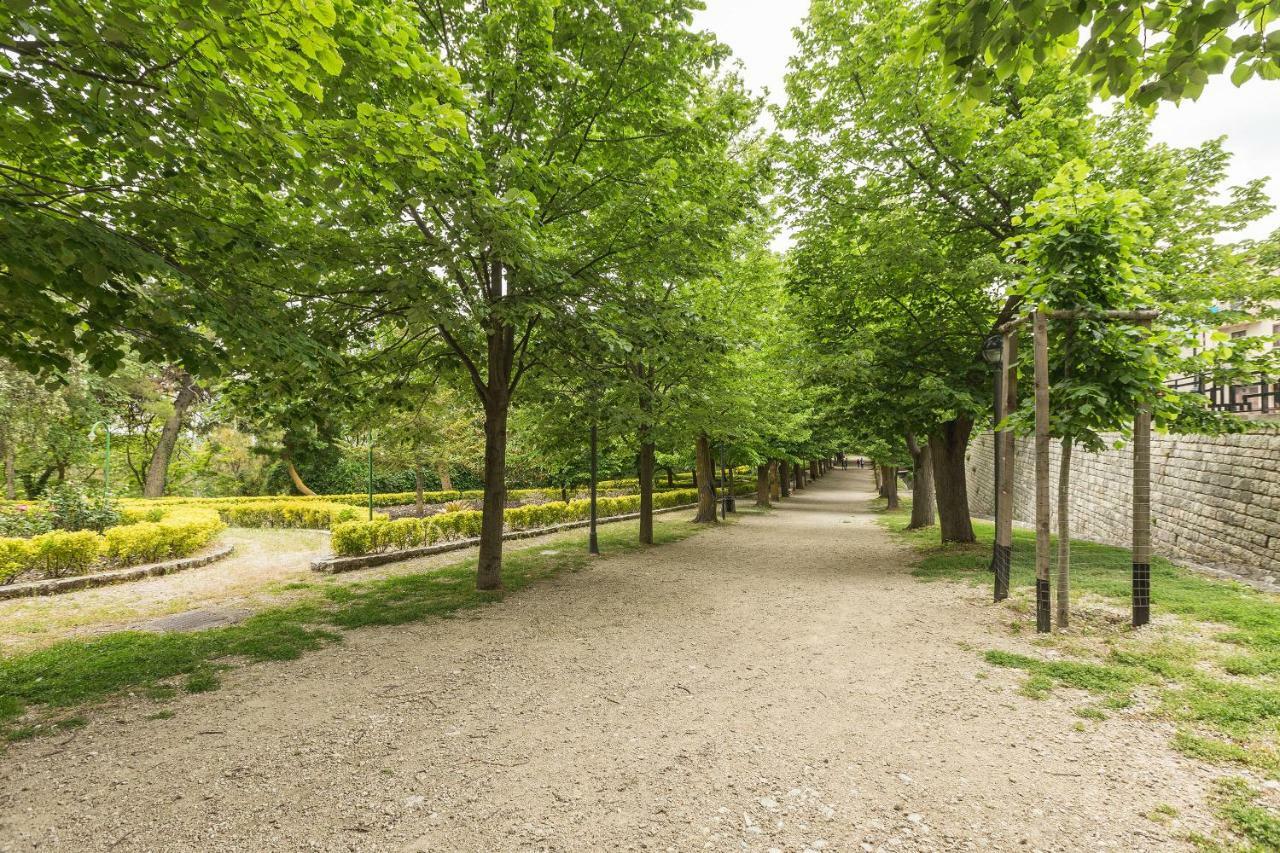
(993, 350)
(106, 460)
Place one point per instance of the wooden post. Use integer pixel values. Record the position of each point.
(1005, 447)
(1043, 616)
(1142, 515)
(593, 540)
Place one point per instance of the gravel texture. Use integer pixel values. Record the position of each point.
(782, 683)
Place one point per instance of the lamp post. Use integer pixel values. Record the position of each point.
(993, 355)
(106, 459)
(593, 542)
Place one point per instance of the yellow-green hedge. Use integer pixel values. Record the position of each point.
(357, 538)
(60, 553)
(177, 533)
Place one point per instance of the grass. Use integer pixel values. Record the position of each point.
(1214, 670)
(42, 684)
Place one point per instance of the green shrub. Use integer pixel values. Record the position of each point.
(357, 538)
(179, 532)
(70, 509)
(24, 520)
(59, 553)
(310, 515)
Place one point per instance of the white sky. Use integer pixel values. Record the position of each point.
(759, 33)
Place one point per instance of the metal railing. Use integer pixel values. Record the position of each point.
(1260, 398)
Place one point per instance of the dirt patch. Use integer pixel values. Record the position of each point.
(782, 683)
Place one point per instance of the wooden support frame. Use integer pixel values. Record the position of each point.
(1005, 446)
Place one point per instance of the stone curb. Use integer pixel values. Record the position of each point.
(54, 586)
(335, 565)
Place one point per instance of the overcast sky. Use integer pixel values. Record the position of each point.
(759, 32)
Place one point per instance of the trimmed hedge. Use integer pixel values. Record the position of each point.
(174, 534)
(61, 553)
(358, 538)
(310, 515)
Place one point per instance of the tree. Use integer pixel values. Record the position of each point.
(1086, 250)
(153, 156)
(1144, 52)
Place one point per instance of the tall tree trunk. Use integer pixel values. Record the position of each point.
(671, 477)
(158, 469)
(1063, 592)
(798, 468)
(762, 485)
(922, 484)
(418, 502)
(875, 476)
(775, 486)
(891, 492)
(302, 487)
(646, 485)
(813, 469)
(784, 478)
(886, 478)
(947, 446)
(489, 567)
(442, 471)
(10, 472)
(706, 480)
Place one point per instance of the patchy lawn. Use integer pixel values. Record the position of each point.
(38, 688)
(1209, 663)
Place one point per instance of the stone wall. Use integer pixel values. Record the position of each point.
(1215, 501)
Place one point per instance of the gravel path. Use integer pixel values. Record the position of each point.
(781, 683)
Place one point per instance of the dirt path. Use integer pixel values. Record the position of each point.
(782, 683)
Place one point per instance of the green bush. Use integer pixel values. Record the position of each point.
(357, 538)
(177, 533)
(310, 515)
(59, 553)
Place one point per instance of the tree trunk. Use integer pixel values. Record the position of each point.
(762, 485)
(875, 476)
(489, 567)
(784, 478)
(646, 486)
(671, 477)
(158, 469)
(891, 491)
(442, 471)
(947, 447)
(706, 479)
(775, 487)
(799, 472)
(813, 469)
(418, 502)
(1063, 592)
(297, 479)
(922, 484)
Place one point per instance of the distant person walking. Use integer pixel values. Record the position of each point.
(859, 461)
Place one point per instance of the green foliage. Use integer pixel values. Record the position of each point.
(174, 533)
(24, 520)
(55, 554)
(1237, 804)
(357, 538)
(312, 515)
(72, 509)
(1144, 52)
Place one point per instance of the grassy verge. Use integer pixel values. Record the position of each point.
(38, 688)
(1210, 663)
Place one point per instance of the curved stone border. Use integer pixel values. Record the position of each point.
(335, 565)
(53, 586)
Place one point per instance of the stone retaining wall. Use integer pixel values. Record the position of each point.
(1215, 501)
